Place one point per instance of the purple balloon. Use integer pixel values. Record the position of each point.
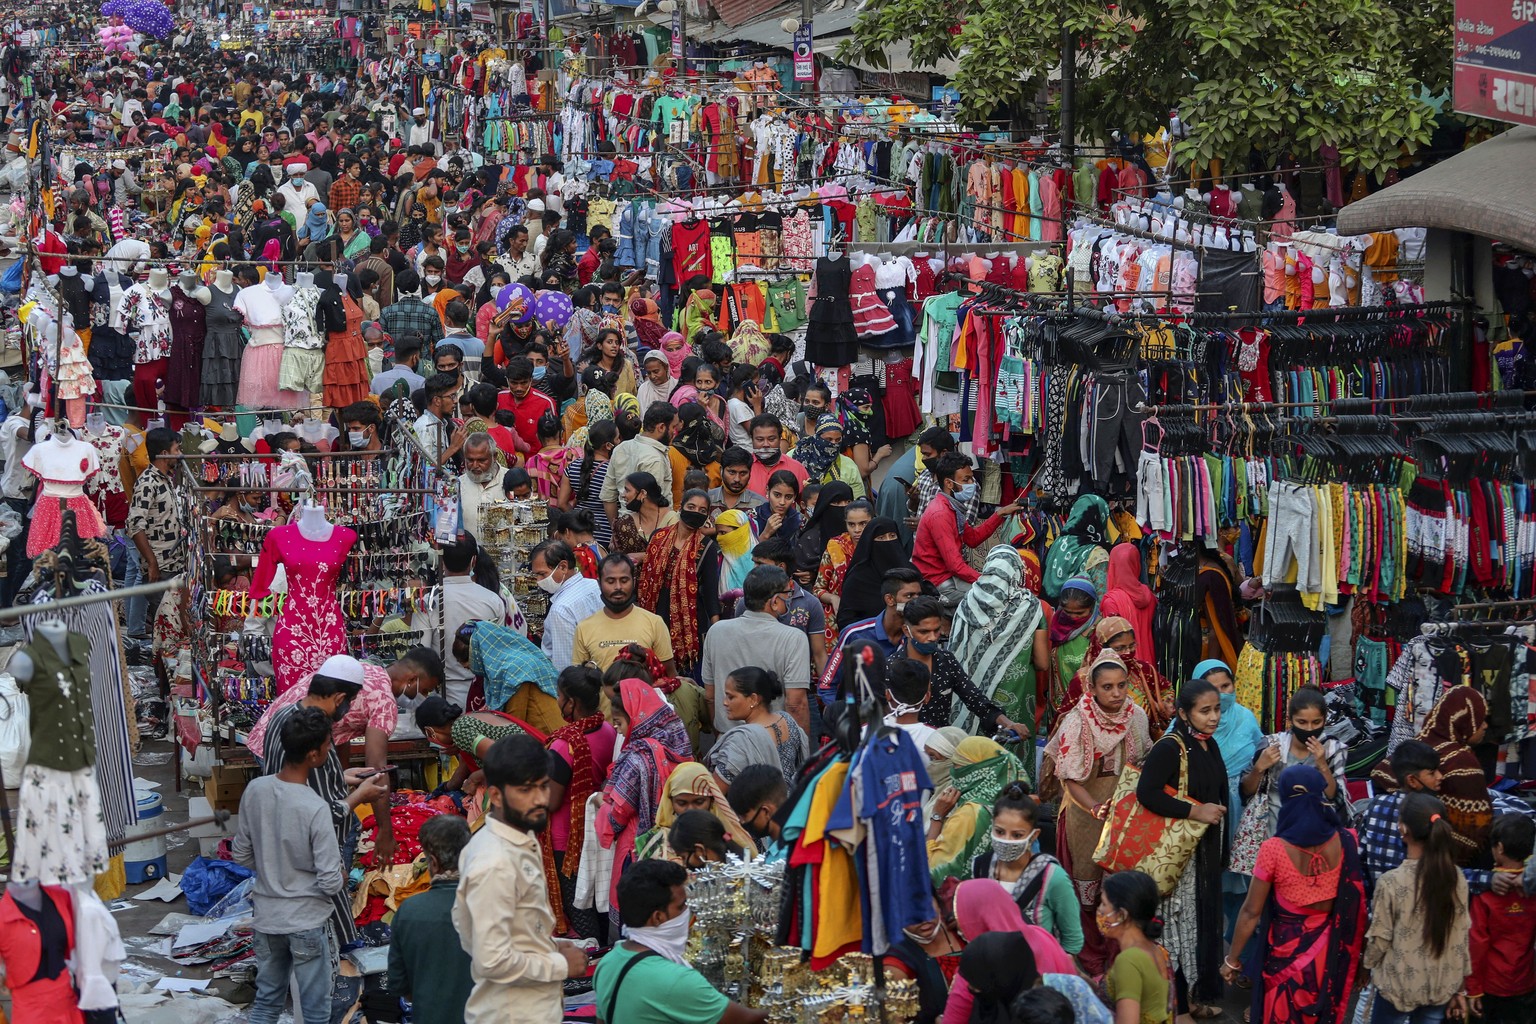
(520, 299)
(553, 307)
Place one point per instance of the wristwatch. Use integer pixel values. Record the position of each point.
(935, 817)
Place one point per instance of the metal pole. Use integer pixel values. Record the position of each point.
(1068, 94)
(142, 590)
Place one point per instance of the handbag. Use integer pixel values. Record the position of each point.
(1136, 839)
(1252, 830)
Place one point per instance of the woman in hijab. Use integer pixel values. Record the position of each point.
(1070, 631)
(1456, 724)
(676, 349)
(940, 750)
(879, 550)
(1091, 746)
(1192, 931)
(733, 532)
(696, 312)
(698, 445)
(826, 521)
(749, 345)
(656, 380)
(983, 906)
(823, 458)
(1079, 552)
(316, 224)
(832, 570)
(646, 316)
(655, 744)
(960, 825)
(691, 788)
(1306, 910)
(999, 638)
(1130, 598)
(1239, 738)
(1149, 689)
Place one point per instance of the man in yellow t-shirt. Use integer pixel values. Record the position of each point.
(601, 636)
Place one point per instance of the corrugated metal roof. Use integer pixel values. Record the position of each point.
(739, 12)
(1485, 191)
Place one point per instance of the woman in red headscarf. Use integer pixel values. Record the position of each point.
(1130, 598)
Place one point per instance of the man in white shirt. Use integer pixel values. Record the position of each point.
(420, 131)
(518, 261)
(572, 598)
(464, 600)
(296, 192)
(480, 483)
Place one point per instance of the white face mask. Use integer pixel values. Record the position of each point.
(669, 939)
(433, 279)
(549, 584)
(357, 438)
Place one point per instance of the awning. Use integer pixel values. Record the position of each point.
(1485, 191)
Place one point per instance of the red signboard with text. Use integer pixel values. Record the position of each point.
(1495, 69)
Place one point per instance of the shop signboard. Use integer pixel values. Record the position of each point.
(805, 57)
(1495, 64)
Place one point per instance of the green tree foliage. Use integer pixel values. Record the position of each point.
(1350, 73)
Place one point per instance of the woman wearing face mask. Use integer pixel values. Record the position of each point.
(1092, 744)
(1140, 982)
(698, 445)
(878, 551)
(929, 954)
(1036, 881)
(825, 520)
(779, 516)
(689, 788)
(582, 753)
(1303, 743)
(733, 532)
(1238, 738)
(680, 579)
(960, 824)
(467, 735)
(1069, 628)
(999, 638)
(822, 456)
(583, 483)
(835, 560)
(1192, 924)
(643, 514)
(939, 749)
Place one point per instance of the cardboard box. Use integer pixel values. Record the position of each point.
(224, 787)
(209, 835)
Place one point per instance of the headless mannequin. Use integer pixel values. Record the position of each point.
(313, 526)
(96, 423)
(341, 283)
(160, 282)
(303, 279)
(52, 630)
(28, 894)
(224, 281)
(192, 288)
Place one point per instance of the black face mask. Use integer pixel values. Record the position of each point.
(636, 505)
(1303, 735)
(693, 519)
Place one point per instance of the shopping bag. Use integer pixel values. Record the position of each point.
(1135, 839)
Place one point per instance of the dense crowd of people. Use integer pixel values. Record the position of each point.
(736, 560)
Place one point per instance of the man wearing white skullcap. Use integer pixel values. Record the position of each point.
(296, 192)
(420, 133)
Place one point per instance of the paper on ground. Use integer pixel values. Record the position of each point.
(197, 934)
(167, 889)
(181, 985)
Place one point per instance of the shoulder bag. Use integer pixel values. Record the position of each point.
(1135, 838)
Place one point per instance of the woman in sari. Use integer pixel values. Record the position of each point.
(680, 580)
(643, 513)
(1092, 744)
(836, 559)
(1069, 628)
(1130, 598)
(960, 825)
(1456, 724)
(691, 787)
(1151, 692)
(1306, 911)
(1079, 552)
(353, 241)
(999, 638)
(655, 744)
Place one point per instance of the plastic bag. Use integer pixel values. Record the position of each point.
(208, 881)
(15, 730)
(236, 902)
(10, 281)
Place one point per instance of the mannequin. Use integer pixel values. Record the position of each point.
(193, 288)
(224, 281)
(303, 279)
(160, 281)
(261, 310)
(310, 628)
(51, 630)
(96, 423)
(63, 464)
(37, 939)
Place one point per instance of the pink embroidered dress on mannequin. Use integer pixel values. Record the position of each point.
(310, 628)
(63, 464)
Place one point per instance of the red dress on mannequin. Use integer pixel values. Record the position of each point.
(35, 999)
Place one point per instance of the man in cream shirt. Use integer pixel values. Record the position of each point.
(480, 483)
(502, 909)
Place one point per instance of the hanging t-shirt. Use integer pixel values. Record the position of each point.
(691, 250)
(895, 781)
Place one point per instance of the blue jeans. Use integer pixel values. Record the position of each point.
(306, 957)
(1383, 1012)
(138, 607)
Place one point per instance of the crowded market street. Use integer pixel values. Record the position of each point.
(767, 512)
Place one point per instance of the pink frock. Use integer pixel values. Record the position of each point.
(310, 628)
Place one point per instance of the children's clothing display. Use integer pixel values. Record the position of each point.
(189, 328)
(310, 627)
(261, 306)
(63, 465)
(35, 948)
(830, 336)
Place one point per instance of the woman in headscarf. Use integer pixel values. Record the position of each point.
(646, 316)
(1091, 746)
(580, 756)
(1239, 738)
(1151, 692)
(1216, 593)
(833, 567)
(1130, 598)
(1070, 631)
(1456, 724)
(733, 532)
(856, 408)
(676, 349)
(680, 579)
(1192, 931)
(656, 382)
(999, 966)
(691, 788)
(696, 308)
(353, 240)
(1079, 552)
(825, 522)
(698, 445)
(940, 751)
(316, 224)
(749, 345)
(1024, 542)
(960, 825)
(983, 906)
(879, 550)
(1306, 911)
(823, 458)
(999, 638)
(655, 744)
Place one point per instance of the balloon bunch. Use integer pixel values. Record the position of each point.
(149, 17)
(115, 37)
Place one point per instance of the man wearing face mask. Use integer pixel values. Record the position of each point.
(756, 794)
(572, 598)
(886, 631)
(646, 979)
(925, 623)
(361, 421)
(502, 907)
(768, 456)
(526, 403)
(937, 550)
(480, 483)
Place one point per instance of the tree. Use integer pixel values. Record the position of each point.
(1349, 73)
